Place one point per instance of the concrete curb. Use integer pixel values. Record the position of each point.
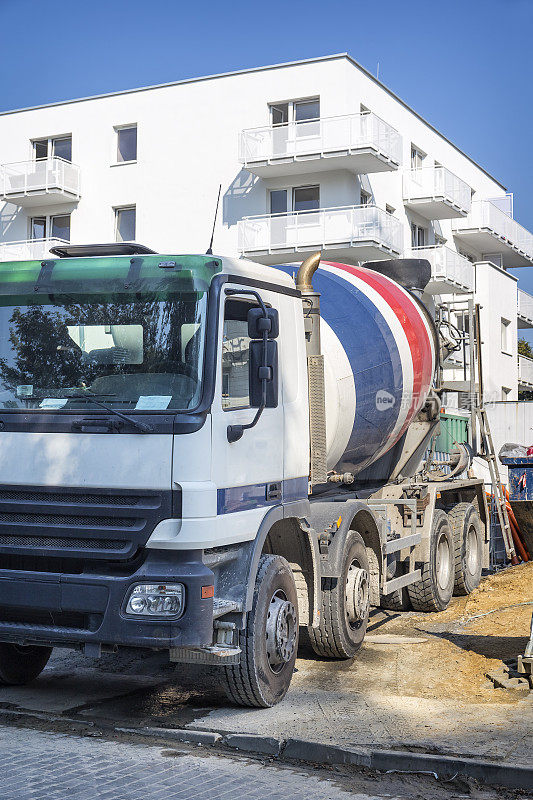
(512, 776)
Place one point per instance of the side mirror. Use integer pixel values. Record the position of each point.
(259, 373)
(258, 324)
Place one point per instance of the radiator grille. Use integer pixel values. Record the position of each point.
(66, 497)
(89, 523)
(61, 542)
(66, 519)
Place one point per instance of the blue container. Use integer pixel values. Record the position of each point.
(520, 477)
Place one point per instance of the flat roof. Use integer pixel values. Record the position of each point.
(347, 56)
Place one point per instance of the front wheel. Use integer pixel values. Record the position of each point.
(270, 640)
(345, 605)
(21, 664)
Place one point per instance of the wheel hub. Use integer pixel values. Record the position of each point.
(443, 562)
(471, 547)
(357, 594)
(281, 629)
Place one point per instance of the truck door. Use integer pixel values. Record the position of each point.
(248, 473)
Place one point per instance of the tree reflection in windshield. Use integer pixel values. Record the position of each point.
(39, 358)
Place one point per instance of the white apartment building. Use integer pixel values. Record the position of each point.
(315, 154)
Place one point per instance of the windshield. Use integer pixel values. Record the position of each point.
(142, 351)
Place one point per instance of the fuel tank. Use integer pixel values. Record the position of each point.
(379, 353)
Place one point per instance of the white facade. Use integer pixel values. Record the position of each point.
(347, 167)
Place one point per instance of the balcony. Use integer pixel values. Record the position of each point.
(451, 273)
(45, 182)
(361, 143)
(525, 310)
(29, 249)
(490, 230)
(436, 193)
(352, 233)
(525, 372)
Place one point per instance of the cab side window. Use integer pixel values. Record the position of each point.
(236, 355)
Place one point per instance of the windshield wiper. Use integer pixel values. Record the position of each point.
(141, 426)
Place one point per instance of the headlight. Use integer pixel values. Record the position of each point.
(156, 600)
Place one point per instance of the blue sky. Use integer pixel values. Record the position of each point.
(465, 66)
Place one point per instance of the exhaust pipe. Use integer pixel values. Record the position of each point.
(318, 474)
(310, 302)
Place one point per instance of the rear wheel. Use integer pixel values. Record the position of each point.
(20, 664)
(434, 591)
(345, 605)
(468, 547)
(269, 641)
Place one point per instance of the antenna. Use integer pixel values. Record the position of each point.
(209, 251)
(377, 72)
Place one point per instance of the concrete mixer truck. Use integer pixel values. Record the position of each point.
(213, 457)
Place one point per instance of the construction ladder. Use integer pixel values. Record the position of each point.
(499, 495)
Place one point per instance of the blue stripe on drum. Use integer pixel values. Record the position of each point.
(374, 358)
(244, 498)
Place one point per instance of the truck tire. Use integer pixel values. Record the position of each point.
(270, 640)
(345, 605)
(434, 591)
(20, 665)
(468, 547)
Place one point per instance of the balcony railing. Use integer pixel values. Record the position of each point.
(348, 138)
(28, 249)
(368, 228)
(451, 273)
(525, 310)
(491, 230)
(436, 192)
(46, 180)
(525, 371)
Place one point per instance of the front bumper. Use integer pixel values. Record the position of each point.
(63, 609)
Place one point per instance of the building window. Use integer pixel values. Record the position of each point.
(418, 235)
(389, 209)
(45, 227)
(417, 157)
(236, 355)
(299, 111)
(57, 147)
(278, 201)
(306, 198)
(505, 335)
(125, 224)
(366, 198)
(126, 143)
(299, 198)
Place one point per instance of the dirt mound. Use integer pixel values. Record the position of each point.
(468, 640)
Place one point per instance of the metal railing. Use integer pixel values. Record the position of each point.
(525, 305)
(45, 175)
(345, 225)
(525, 370)
(28, 249)
(437, 183)
(484, 215)
(448, 266)
(347, 133)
